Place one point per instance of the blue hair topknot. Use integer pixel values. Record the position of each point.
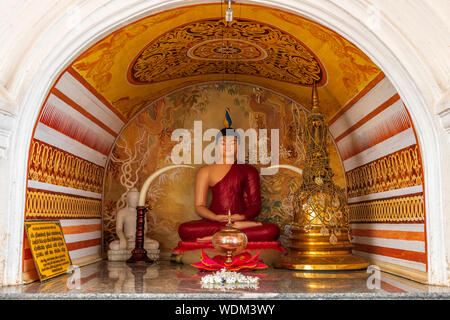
(228, 132)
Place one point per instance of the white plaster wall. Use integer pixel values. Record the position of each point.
(408, 39)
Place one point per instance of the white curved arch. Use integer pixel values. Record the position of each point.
(153, 176)
(57, 45)
(288, 167)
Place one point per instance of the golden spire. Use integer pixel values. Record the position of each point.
(230, 223)
(315, 98)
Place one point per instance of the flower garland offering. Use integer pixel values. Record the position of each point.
(229, 280)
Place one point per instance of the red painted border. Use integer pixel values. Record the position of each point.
(83, 111)
(357, 97)
(370, 116)
(393, 253)
(390, 234)
(94, 91)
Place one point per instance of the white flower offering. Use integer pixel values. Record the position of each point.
(229, 280)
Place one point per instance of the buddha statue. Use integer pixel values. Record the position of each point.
(235, 187)
(120, 249)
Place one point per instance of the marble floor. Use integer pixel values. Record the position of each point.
(165, 280)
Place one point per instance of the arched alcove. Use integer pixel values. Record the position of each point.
(367, 105)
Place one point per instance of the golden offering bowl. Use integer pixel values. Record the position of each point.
(229, 240)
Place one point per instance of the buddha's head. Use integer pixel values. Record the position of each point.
(227, 141)
(132, 198)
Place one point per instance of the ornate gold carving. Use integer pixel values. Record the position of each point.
(228, 49)
(51, 165)
(401, 169)
(50, 205)
(320, 202)
(216, 48)
(354, 66)
(404, 209)
(320, 233)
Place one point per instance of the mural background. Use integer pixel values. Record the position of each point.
(145, 145)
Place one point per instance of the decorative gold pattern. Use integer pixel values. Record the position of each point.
(354, 65)
(51, 205)
(404, 209)
(51, 165)
(320, 203)
(227, 49)
(401, 169)
(168, 57)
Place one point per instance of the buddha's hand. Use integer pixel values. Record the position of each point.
(237, 217)
(246, 224)
(220, 218)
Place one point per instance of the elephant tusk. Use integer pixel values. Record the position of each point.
(152, 177)
(287, 166)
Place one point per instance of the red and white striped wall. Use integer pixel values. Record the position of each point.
(401, 244)
(78, 120)
(372, 125)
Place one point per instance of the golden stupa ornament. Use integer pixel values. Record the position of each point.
(229, 240)
(320, 233)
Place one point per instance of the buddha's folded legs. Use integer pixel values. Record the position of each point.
(266, 232)
(193, 230)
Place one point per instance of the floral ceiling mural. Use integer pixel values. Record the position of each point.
(145, 145)
(216, 47)
(145, 60)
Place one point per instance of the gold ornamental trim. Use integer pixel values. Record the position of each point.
(401, 169)
(404, 209)
(50, 205)
(52, 165)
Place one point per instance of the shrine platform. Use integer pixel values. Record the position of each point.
(166, 280)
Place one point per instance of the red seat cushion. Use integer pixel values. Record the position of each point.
(184, 246)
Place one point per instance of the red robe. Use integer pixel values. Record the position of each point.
(239, 192)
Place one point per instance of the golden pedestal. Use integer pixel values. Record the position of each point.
(313, 251)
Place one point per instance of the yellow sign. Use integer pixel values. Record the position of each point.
(48, 248)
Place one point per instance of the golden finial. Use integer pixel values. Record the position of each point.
(229, 224)
(315, 98)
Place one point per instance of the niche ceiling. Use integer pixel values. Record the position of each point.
(147, 59)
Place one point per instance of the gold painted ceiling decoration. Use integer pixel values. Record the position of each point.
(107, 65)
(227, 49)
(216, 47)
